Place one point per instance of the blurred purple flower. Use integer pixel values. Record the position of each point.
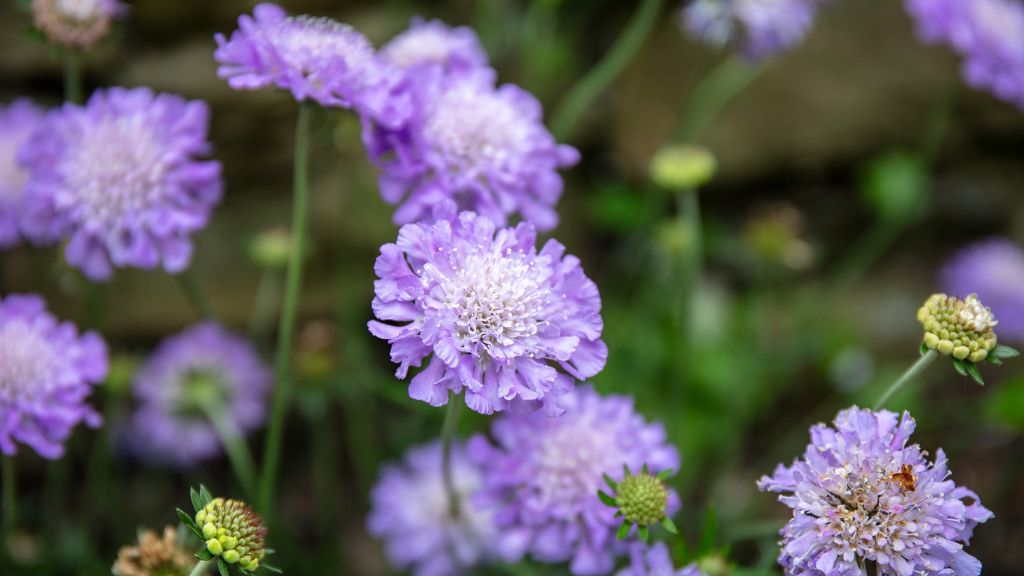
(434, 43)
(861, 493)
(410, 513)
(987, 34)
(315, 58)
(484, 147)
(543, 476)
(17, 120)
(76, 24)
(654, 561)
(46, 373)
(202, 373)
(120, 178)
(759, 28)
(497, 316)
(994, 270)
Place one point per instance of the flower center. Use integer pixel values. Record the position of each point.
(977, 316)
(80, 10)
(202, 390)
(474, 130)
(495, 300)
(12, 177)
(304, 41)
(425, 45)
(572, 456)
(1000, 19)
(116, 172)
(26, 362)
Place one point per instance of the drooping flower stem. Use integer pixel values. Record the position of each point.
(923, 362)
(715, 90)
(194, 292)
(237, 450)
(200, 568)
(451, 424)
(73, 76)
(604, 72)
(9, 501)
(289, 309)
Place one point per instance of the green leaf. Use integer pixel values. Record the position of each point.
(197, 502)
(923, 349)
(222, 567)
(707, 538)
(623, 531)
(204, 495)
(1003, 351)
(993, 360)
(664, 474)
(271, 568)
(625, 469)
(189, 522)
(611, 483)
(204, 554)
(608, 500)
(669, 525)
(645, 471)
(959, 365)
(972, 370)
(644, 533)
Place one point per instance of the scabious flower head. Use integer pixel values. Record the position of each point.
(655, 561)
(994, 270)
(233, 532)
(202, 373)
(484, 147)
(986, 33)
(433, 43)
(315, 58)
(411, 513)
(543, 475)
(759, 28)
(122, 180)
(76, 23)
(154, 556)
(17, 120)
(958, 328)
(862, 493)
(511, 327)
(46, 373)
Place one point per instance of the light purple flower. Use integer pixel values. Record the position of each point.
(46, 373)
(543, 475)
(410, 513)
(654, 561)
(17, 120)
(484, 147)
(759, 28)
(314, 58)
(986, 33)
(121, 179)
(512, 327)
(994, 270)
(860, 492)
(434, 43)
(203, 373)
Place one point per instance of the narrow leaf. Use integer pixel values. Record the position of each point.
(959, 365)
(271, 568)
(625, 469)
(993, 360)
(923, 349)
(611, 483)
(608, 500)
(204, 495)
(222, 567)
(664, 474)
(645, 470)
(1003, 351)
(669, 525)
(189, 522)
(972, 370)
(623, 531)
(196, 500)
(204, 554)
(644, 534)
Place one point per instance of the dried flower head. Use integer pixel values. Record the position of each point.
(76, 23)
(154, 555)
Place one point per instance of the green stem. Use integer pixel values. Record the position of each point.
(193, 291)
(691, 262)
(711, 95)
(923, 362)
(73, 76)
(938, 125)
(264, 308)
(9, 500)
(451, 424)
(236, 448)
(590, 86)
(289, 309)
(200, 568)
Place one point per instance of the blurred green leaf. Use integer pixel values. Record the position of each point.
(622, 209)
(1005, 404)
(895, 185)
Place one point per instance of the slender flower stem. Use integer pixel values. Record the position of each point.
(200, 568)
(289, 309)
(691, 261)
(715, 90)
(451, 424)
(911, 373)
(194, 292)
(264, 308)
(73, 76)
(9, 501)
(605, 71)
(236, 448)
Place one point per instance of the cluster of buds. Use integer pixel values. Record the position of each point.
(641, 500)
(232, 533)
(962, 329)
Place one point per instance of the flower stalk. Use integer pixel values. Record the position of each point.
(451, 424)
(73, 76)
(200, 568)
(10, 516)
(913, 372)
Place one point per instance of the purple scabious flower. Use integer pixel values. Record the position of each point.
(511, 327)
(861, 493)
(17, 120)
(203, 374)
(994, 270)
(484, 147)
(433, 43)
(654, 561)
(121, 179)
(543, 475)
(986, 33)
(759, 28)
(314, 58)
(410, 512)
(47, 370)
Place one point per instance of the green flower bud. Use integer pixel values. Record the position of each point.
(641, 499)
(959, 328)
(231, 557)
(713, 565)
(234, 532)
(682, 166)
(209, 530)
(214, 546)
(271, 249)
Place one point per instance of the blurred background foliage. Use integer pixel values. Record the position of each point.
(848, 170)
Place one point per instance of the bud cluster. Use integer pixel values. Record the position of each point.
(233, 532)
(958, 328)
(641, 500)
